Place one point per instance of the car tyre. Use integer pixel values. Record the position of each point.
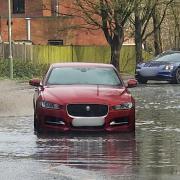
(36, 124)
(142, 80)
(176, 78)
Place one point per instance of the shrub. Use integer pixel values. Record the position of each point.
(22, 69)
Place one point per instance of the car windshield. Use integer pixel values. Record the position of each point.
(172, 57)
(83, 75)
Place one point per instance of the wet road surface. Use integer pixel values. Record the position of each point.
(151, 153)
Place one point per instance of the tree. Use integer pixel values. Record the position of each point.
(110, 16)
(144, 12)
(157, 22)
(175, 9)
(157, 31)
(142, 15)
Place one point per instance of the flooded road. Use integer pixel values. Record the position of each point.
(151, 153)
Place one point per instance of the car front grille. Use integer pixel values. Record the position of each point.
(87, 110)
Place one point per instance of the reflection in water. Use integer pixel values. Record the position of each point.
(153, 152)
(158, 129)
(113, 153)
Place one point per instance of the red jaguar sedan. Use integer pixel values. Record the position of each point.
(83, 97)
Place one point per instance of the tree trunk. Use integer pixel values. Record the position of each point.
(178, 41)
(177, 36)
(115, 56)
(157, 33)
(138, 39)
(115, 49)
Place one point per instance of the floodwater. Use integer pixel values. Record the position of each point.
(151, 153)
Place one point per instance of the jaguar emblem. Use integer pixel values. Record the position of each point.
(88, 108)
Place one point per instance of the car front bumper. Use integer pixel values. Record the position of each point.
(59, 120)
(161, 75)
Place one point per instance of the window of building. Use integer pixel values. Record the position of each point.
(58, 42)
(18, 6)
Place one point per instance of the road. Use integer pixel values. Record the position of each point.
(152, 152)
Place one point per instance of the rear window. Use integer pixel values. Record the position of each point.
(83, 75)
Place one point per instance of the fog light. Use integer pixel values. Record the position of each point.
(119, 121)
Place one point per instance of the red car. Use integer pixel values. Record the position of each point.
(83, 97)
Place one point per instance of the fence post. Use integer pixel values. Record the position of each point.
(31, 53)
(25, 54)
(72, 52)
(3, 50)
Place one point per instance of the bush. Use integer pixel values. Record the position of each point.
(22, 69)
(4, 68)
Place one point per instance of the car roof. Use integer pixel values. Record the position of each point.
(169, 52)
(81, 64)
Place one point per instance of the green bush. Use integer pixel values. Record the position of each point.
(4, 68)
(22, 69)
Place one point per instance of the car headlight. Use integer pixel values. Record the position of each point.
(50, 105)
(169, 67)
(124, 106)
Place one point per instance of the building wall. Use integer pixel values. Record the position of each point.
(3, 8)
(47, 7)
(18, 29)
(46, 26)
(33, 8)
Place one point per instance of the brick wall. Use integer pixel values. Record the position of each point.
(18, 29)
(3, 8)
(81, 36)
(33, 8)
(45, 27)
(47, 8)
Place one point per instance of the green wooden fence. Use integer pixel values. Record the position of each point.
(98, 54)
(52, 54)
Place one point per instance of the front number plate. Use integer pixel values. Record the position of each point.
(88, 121)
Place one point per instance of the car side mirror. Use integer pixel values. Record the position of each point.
(131, 83)
(35, 82)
